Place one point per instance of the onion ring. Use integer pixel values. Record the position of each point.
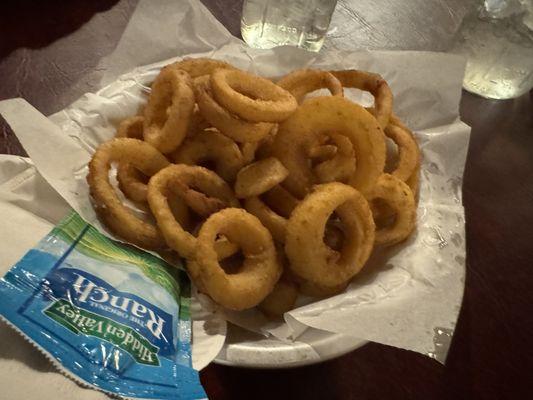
(264, 147)
(116, 215)
(131, 127)
(169, 109)
(259, 177)
(134, 184)
(343, 144)
(193, 270)
(341, 167)
(201, 189)
(200, 66)
(394, 119)
(210, 145)
(179, 180)
(338, 169)
(398, 196)
(280, 200)
(374, 84)
(248, 151)
(180, 211)
(322, 152)
(414, 179)
(260, 270)
(273, 208)
(197, 123)
(304, 81)
(230, 125)
(131, 181)
(320, 116)
(224, 249)
(251, 97)
(309, 257)
(281, 299)
(275, 223)
(408, 153)
(408, 164)
(137, 191)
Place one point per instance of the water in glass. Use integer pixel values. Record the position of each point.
(270, 23)
(497, 40)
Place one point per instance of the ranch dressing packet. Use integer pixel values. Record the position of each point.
(109, 315)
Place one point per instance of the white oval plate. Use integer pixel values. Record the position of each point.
(247, 349)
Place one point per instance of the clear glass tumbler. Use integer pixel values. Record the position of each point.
(497, 40)
(302, 23)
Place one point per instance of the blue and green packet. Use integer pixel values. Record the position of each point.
(109, 315)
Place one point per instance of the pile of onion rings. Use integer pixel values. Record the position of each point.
(265, 191)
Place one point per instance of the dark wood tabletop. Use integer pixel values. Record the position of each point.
(48, 54)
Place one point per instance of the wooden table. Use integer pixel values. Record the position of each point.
(48, 54)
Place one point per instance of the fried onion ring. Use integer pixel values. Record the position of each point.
(341, 167)
(398, 196)
(116, 215)
(275, 223)
(374, 84)
(134, 184)
(251, 97)
(408, 164)
(414, 179)
(264, 147)
(248, 151)
(224, 248)
(322, 152)
(211, 146)
(320, 116)
(304, 81)
(197, 123)
(408, 153)
(184, 180)
(131, 181)
(273, 208)
(280, 200)
(259, 177)
(394, 119)
(260, 270)
(169, 109)
(309, 257)
(281, 299)
(202, 190)
(227, 123)
(131, 127)
(200, 66)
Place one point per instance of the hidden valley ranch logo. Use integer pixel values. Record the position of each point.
(85, 304)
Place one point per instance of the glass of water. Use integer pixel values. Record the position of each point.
(497, 40)
(302, 23)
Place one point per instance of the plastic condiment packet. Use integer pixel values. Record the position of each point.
(107, 314)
